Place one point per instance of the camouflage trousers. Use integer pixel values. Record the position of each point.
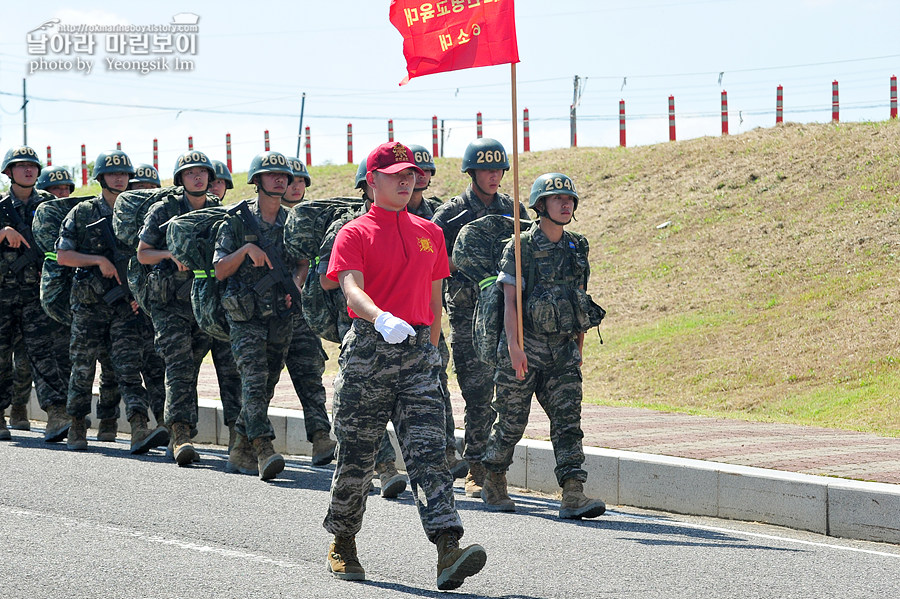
(22, 378)
(21, 316)
(110, 398)
(153, 372)
(182, 345)
(554, 377)
(229, 380)
(259, 348)
(476, 382)
(449, 424)
(97, 329)
(305, 363)
(377, 382)
(386, 451)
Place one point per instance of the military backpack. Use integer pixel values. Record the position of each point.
(56, 280)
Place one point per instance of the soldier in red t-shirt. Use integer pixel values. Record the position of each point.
(390, 265)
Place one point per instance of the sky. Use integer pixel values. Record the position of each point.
(252, 63)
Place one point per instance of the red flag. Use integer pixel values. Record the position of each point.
(449, 35)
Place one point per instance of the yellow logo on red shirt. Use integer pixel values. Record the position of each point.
(425, 244)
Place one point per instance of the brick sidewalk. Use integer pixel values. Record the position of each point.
(807, 450)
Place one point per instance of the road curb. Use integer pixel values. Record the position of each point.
(835, 507)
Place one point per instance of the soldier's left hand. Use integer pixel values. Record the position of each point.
(287, 300)
(135, 307)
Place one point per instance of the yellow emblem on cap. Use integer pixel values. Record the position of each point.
(400, 153)
(425, 245)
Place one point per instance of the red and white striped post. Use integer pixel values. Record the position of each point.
(893, 96)
(49, 157)
(478, 125)
(349, 143)
(118, 145)
(390, 129)
(228, 151)
(526, 131)
(724, 112)
(266, 136)
(83, 166)
(671, 118)
(190, 142)
(835, 102)
(779, 105)
(434, 137)
(622, 123)
(308, 149)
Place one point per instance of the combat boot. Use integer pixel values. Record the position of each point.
(270, 464)
(474, 479)
(342, 559)
(455, 564)
(323, 447)
(58, 423)
(107, 430)
(4, 432)
(77, 434)
(392, 482)
(142, 438)
(18, 418)
(241, 457)
(458, 468)
(182, 449)
(576, 505)
(494, 493)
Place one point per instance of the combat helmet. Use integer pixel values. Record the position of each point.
(145, 173)
(53, 176)
(423, 158)
(112, 161)
(223, 173)
(484, 154)
(190, 159)
(299, 170)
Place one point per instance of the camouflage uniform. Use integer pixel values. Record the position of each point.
(305, 363)
(386, 451)
(178, 338)
(22, 378)
(229, 380)
(259, 337)
(554, 362)
(98, 327)
(48, 218)
(377, 382)
(153, 371)
(21, 316)
(476, 379)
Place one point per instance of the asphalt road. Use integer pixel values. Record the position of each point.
(103, 523)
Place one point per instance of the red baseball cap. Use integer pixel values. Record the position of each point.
(390, 158)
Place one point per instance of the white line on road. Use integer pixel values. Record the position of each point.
(73, 522)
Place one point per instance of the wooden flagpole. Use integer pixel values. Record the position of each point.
(516, 225)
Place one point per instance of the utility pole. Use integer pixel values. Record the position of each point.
(24, 114)
(300, 130)
(573, 141)
(442, 137)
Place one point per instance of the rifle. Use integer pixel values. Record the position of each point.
(119, 260)
(279, 274)
(31, 254)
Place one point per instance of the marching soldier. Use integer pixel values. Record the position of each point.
(103, 313)
(556, 313)
(21, 314)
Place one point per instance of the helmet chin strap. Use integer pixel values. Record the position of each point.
(292, 202)
(103, 185)
(271, 194)
(478, 187)
(197, 194)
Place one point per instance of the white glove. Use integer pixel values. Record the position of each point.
(393, 329)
